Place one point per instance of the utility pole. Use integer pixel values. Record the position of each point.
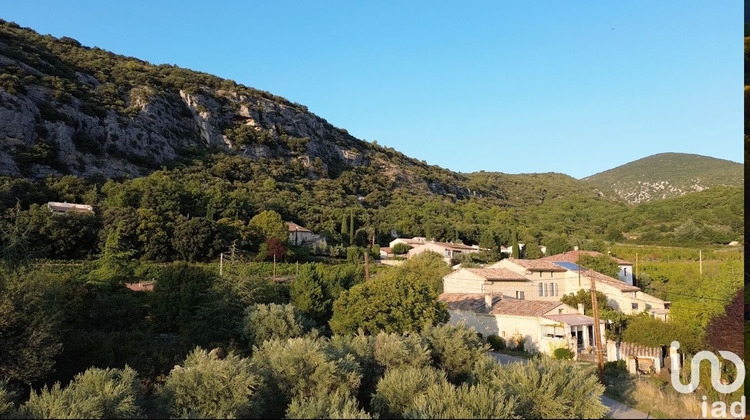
(367, 264)
(221, 264)
(635, 275)
(597, 328)
(234, 246)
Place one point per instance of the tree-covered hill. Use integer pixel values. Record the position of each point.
(666, 175)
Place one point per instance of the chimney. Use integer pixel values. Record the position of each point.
(580, 309)
(488, 301)
(575, 248)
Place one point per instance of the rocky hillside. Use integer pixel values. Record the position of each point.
(666, 175)
(71, 109)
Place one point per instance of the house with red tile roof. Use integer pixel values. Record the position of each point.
(547, 281)
(412, 242)
(140, 286)
(302, 236)
(626, 267)
(448, 250)
(543, 325)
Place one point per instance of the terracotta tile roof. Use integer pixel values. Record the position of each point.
(538, 265)
(572, 319)
(572, 256)
(497, 274)
(466, 301)
(140, 287)
(636, 350)
(616, 283)
(293, 227)
(385, 249)
(524, 307)
(412, 241)
(449, 245)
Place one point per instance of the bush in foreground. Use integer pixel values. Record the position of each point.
(398, 389)
(544, 388)
(303, 368)
(93, 394)
(443, 400)
(454, 349)
(337, 405)
(208, 386)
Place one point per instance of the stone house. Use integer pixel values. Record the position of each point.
(301, 236)
(626, 267)
(446, 249)
(546, 280)
(543, 325)
(69, 208)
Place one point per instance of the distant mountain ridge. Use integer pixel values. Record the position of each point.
(666, 175)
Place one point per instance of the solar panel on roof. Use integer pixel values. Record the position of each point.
(568, 265)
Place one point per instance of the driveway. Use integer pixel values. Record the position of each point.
(617, 410)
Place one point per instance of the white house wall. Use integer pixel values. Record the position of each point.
(626, 274)
(482, 323)
(528, 327)
(462, 281)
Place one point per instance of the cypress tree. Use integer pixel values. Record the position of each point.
(351, 227)
(344, 230)
(307, 294)
(516, 249)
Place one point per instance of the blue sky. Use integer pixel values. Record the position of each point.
(576, 87)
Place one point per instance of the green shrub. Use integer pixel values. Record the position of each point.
(93, 394)
(616, 368)
(496, 343)
(336, 405)
(303, 367)
(544, 388)
(396, 351)
(269, 322)
(387, 304)
(398, 389)
(7, 397)
(454, 349)
(208, 386)
(562, 354)
(443, 400)
(362, 348)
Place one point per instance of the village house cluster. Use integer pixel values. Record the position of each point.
(520, 299)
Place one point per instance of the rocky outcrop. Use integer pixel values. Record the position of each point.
(153, 130)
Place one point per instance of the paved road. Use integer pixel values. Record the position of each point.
(617, 410)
